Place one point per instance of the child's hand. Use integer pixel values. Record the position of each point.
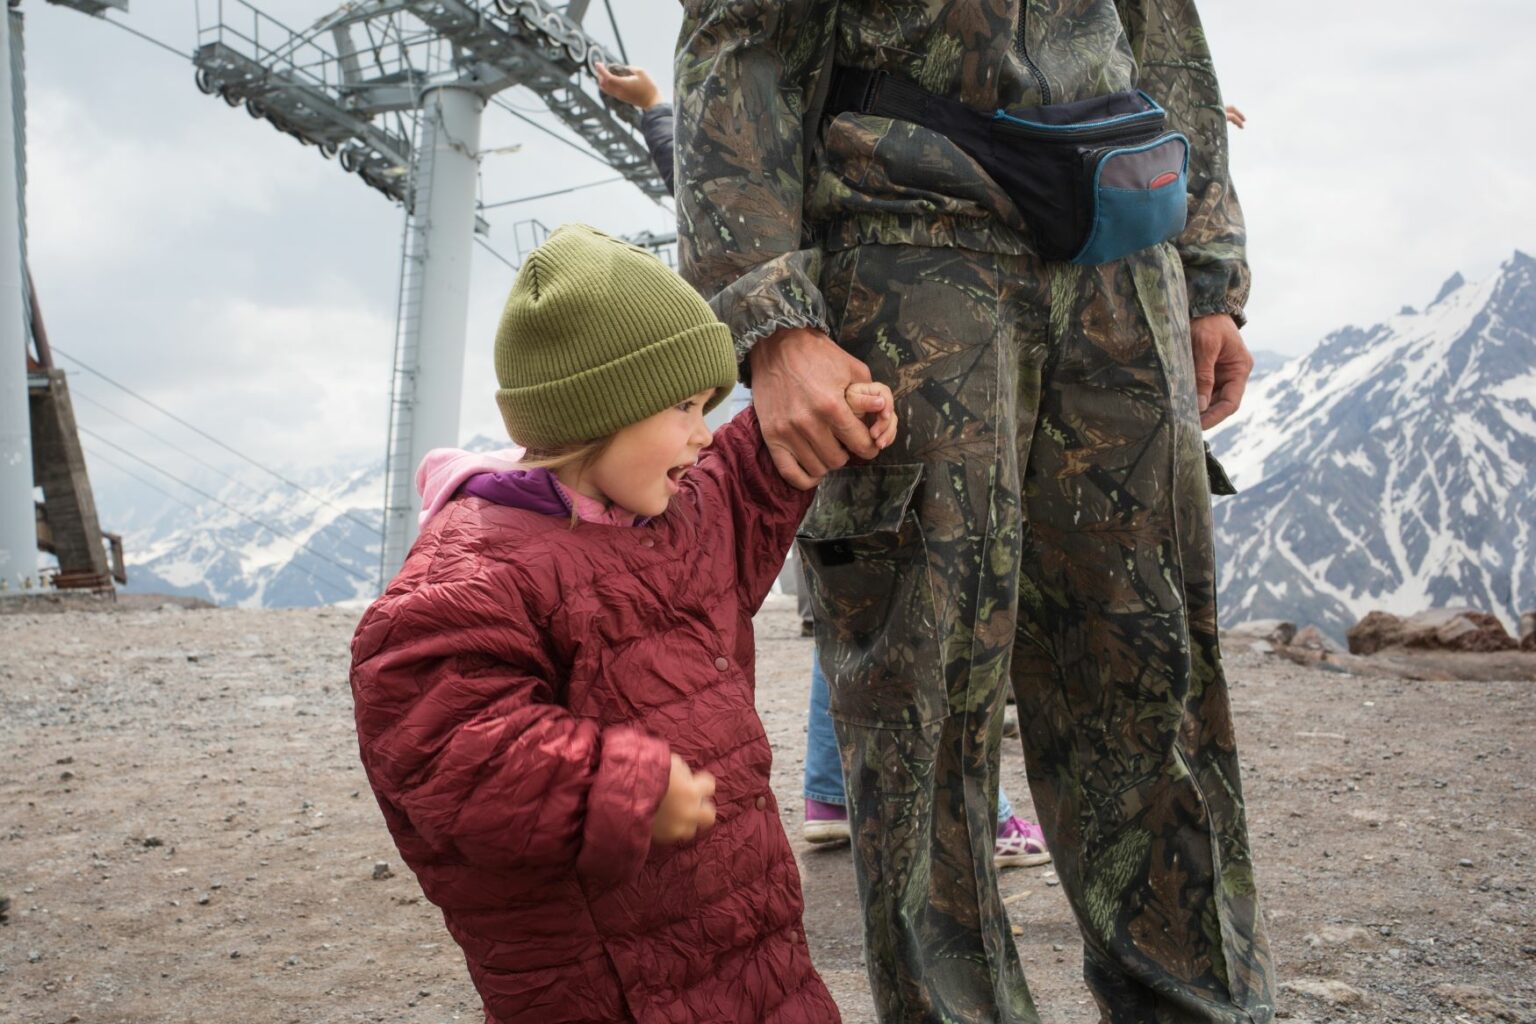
(687, 809)
(876, 406)
(628, 85)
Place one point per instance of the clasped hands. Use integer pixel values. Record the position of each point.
(819, 409)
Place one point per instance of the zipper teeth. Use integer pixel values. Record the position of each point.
(1142, 143)
(1083, 135)
(1045, 87)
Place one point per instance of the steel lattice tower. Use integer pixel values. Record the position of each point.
(395, 91)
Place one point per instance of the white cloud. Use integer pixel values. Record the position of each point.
(1378, 157)
(98, 195)
(306, 380)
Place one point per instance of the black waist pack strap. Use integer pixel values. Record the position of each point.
(1096, 179)
(884, 95)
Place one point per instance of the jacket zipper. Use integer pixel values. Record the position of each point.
(1121, 133)
(1023, 47)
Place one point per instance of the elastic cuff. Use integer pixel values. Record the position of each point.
(749, 339)
(1233, 307)
(629, 785)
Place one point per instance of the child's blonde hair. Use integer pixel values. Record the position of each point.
(575, 454)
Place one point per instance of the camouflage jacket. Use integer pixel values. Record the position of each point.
(766, 185)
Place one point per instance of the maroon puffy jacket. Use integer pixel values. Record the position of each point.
(519, 689)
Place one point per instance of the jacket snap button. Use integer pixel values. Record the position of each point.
(761, 803)
(647, 542)
(722, 664)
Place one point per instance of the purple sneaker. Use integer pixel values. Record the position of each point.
(825, 823)
(1020, 844)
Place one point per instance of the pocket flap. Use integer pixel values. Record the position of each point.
(1221, 484)
(1146, 167)
(857, 501)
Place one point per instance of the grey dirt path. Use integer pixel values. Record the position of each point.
(186, 835)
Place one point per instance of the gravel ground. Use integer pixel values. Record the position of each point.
(187, 835)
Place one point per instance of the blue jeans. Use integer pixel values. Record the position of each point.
(823, 768)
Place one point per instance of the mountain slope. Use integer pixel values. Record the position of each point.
(316, 552)
(225, 552)
(1391, 467)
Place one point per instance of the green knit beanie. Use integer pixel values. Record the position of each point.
(598, 334)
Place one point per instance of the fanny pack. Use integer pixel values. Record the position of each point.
(1096, 179)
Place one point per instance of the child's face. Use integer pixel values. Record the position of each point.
(642, 468)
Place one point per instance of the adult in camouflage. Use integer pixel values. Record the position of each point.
(1044, 519)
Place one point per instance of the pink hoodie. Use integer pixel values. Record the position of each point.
(444, 471)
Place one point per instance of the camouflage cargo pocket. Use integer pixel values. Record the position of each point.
(876, 629)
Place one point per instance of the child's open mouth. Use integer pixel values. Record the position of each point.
(675, 476)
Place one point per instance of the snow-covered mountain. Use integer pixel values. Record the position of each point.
(264, 545)
(1266, 363)
(261, 544)
(1392, 467)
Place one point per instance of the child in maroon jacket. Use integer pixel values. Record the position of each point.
(554, 697)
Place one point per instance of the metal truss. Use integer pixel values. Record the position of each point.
(96, 7)
(351, 83)
(394, 91)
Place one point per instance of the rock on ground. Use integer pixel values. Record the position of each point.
(1334, 993)
(1475, 999)
(1441, 629)
(1274, 631)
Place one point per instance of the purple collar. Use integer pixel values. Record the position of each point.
(534, 490)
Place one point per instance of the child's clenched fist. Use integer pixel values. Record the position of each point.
(689, 806)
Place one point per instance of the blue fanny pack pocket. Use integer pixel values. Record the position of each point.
(1095, 179)
(1137, 198)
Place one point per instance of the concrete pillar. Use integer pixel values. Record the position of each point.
(18, 516)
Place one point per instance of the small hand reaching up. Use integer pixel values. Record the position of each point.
(689, 806)
(876, 406)
(628, 85)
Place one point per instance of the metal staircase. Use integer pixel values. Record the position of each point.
(400, 495)
(399, 522)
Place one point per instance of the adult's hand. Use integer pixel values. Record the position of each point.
(628, 85)
(1222, 366)
(799, 380)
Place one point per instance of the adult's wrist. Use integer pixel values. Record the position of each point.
(780, 332)
(1223, 308)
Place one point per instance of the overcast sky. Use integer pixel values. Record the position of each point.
(249, 285)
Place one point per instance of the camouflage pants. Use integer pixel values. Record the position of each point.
(1044, 521)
